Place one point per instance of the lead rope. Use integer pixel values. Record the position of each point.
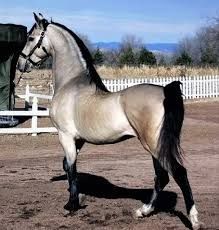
(15, 85)
(19, 79)
(21, 75)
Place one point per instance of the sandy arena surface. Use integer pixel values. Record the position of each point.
(115, 178)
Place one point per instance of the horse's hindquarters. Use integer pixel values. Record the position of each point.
(143, 106)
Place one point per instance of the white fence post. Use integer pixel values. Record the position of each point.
(34, 118)
(27, 97)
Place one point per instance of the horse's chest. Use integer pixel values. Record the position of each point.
(62, 117)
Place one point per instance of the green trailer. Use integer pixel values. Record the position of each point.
(12, 40)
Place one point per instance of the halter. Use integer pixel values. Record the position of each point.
(38, 45)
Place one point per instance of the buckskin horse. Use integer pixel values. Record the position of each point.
(83, 110)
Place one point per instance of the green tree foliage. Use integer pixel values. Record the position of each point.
(127, 57)
(98, 57)
(145, 57)
(128, 53)
(184, 59)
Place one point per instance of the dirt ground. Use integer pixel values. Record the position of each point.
(115, 178)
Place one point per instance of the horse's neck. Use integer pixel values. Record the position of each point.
(68, 62)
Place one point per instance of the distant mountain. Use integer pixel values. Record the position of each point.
(107, 45)
(154, 47)
(162, 47)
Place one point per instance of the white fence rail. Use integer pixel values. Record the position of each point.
(29, 95)
(193, 88)
(34, 113)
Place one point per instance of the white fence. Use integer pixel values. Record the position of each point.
(193, 88)
(34, 113)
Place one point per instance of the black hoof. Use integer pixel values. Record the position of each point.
(72, 206)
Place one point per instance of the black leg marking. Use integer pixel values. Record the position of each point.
(180, 176)
(79, 144)
(161, 180)
(73, 203)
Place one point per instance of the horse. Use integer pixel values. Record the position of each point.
(83, 110)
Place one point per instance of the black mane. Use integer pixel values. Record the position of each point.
(94, 77)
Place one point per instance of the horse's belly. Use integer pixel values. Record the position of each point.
(106, 130)
(108, 136)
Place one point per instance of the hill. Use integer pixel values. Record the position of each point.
(154, 47)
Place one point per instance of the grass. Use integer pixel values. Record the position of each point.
(160, 71)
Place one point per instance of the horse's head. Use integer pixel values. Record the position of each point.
(37, 48)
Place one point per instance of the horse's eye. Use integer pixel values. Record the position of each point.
(30, 39)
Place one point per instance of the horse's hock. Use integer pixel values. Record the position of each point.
(12, 40)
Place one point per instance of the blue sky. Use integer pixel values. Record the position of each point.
(109, 20)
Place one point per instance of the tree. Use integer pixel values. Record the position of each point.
(98, 57)
(111, 57)
(145, 57)
(203, 48)
(161, 59)
(127, 57)
(207, 58)
(130, 46)
(184, 59)
(130, 40)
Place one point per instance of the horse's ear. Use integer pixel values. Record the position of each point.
(41, 16)
(37, 19)
(41, 22)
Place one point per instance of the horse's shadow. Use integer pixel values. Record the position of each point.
(100, 187)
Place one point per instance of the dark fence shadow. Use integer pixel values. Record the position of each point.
(100, 187)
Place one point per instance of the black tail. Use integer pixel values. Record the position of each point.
(169, 150)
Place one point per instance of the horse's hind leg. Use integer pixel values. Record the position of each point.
(179, 174)
(161, 180)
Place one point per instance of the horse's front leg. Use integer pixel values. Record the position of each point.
(79, 143)
(69, 145)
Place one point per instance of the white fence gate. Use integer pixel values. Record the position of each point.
(192, 88)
